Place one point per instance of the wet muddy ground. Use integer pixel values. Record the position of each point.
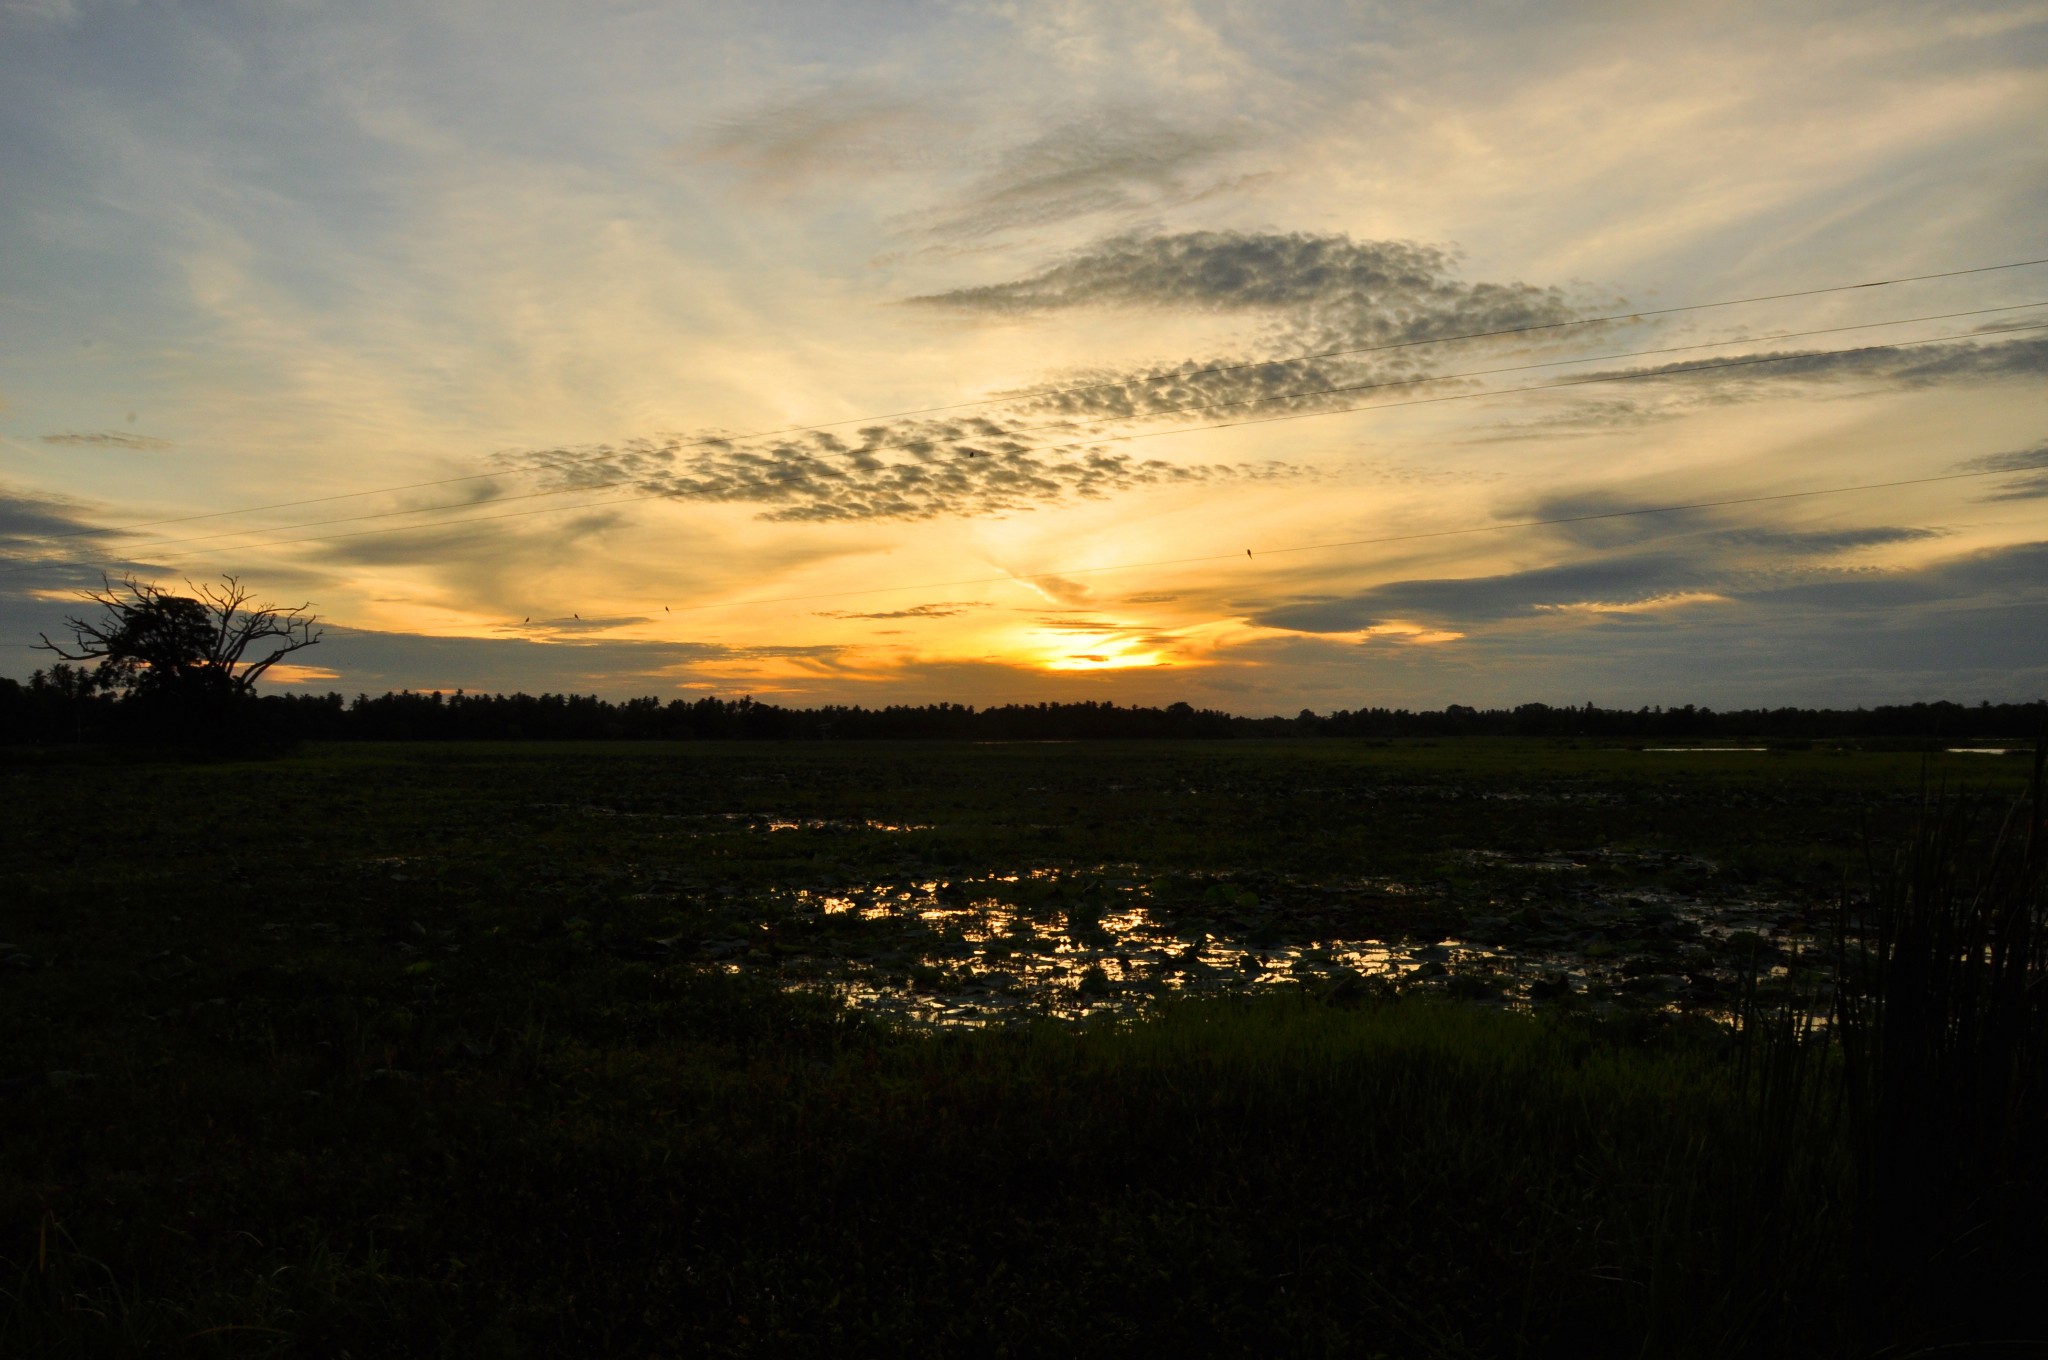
(1598, 927)
(952, 883)
(513, 1047)
(995, 885)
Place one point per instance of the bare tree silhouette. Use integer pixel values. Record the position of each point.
(187, 658)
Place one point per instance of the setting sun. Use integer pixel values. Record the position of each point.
(1105, 654)
(970, 355)
(1023, 678)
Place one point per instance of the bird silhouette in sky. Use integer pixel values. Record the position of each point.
(527, 619)
(1247, 552)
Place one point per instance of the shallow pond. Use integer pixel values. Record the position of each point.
(1080, 943)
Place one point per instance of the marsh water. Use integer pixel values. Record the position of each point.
(1585, 927)
(956, 886)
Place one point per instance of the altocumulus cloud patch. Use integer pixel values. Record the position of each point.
(1306, 293)
(907, 471)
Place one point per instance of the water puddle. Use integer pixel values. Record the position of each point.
(824, 824)
(1079, 944)
(742, 821)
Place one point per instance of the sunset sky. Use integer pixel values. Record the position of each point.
(990, 352)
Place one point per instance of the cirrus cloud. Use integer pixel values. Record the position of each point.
(108, 439)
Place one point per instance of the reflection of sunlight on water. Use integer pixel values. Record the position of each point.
(1006, 948)
(974, 958)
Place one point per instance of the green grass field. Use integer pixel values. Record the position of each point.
(504, 1050)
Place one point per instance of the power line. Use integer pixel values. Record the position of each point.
(1151, 434)
(1234, 555)
(1475, 335)
(392, 514)
(1197, 406)
(1547, 363)
(368, 533)
(1092, 387)
(1378, 541)
(1290, 415)
(1671, 372)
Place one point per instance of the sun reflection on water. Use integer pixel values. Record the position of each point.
(1035, 942)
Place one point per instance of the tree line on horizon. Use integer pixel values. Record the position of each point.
(61, 705)
(179, 669)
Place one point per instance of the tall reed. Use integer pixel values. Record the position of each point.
(1941, 1021)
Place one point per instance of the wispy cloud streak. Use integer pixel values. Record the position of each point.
(1115, 160)
(2032, 461)
(108, 439)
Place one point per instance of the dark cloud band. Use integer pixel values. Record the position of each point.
(1392, 289)
(2032, 464)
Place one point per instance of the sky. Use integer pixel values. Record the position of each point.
(1259, 356)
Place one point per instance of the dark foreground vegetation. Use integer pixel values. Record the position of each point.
(378, 1050)
(66, 704)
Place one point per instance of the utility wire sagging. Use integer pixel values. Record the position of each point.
(1053, 392)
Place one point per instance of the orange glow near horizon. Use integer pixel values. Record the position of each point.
(1115, 660)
